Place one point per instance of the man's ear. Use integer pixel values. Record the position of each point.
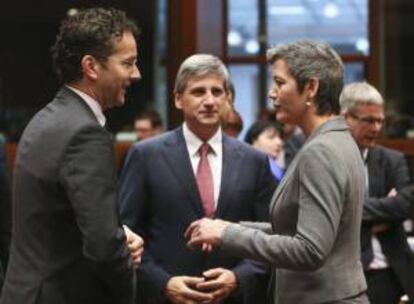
(177, 100)
(90, 67)
(312, 87)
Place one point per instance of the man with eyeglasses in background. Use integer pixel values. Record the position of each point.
(385, 252)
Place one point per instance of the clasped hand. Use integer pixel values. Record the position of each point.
(215, 285)
(205, 233)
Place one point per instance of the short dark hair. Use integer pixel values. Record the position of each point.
(307, 59)
(92, 32)
(259, 127)
(153, 116)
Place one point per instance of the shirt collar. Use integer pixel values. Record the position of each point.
(93, 105)
(194, 143)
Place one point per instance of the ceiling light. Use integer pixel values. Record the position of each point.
(234, 38)
(252, 46)
(331, 10)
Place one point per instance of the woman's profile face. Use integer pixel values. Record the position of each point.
(288, 101)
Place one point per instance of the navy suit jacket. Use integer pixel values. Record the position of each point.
(159, 199)
(387, 169)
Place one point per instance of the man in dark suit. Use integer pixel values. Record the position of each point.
(385, 252)
(5, 212)
(68, 245)
(165, 186)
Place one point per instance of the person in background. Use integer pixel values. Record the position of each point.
(313, 239)
(68, 245)
(148, 124)
(384, 248)
(292, 137)
(266, 136)
(190, 172)
(232, 122)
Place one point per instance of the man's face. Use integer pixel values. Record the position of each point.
(365, 124)
(143, 129)
(117, 73)
(203, 102)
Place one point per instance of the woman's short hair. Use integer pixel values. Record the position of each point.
(312, 59)
(200, 65)
(358, 93)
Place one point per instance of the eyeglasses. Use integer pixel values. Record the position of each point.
(368, 120)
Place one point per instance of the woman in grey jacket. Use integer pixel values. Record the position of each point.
(313, 239)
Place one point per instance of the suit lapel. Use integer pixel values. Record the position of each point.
(176, 153)
(232, 156)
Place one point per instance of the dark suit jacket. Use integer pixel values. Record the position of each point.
(67, 244)
(159, 199)
(387, 169)
(292, 147)
(5, 211)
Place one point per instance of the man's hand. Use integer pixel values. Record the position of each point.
(219, 282)
(135, 245)
(379, 228)
(392, 193)
(182, 290)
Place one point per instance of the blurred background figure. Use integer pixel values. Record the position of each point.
(291, 135)
(232, 122)
(266, 136)
(148, 124)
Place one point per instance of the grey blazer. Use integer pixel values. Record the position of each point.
(313, 241)
(67, 245)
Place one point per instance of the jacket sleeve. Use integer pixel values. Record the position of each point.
(87, 173)
(134, 210)
(321, 199)
(395, 208)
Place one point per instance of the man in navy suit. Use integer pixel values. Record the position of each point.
(384, 249)
(161, 194)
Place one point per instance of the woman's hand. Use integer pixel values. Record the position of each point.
(205, 233)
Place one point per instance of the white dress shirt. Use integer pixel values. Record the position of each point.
(92, 104)
(215, 159)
